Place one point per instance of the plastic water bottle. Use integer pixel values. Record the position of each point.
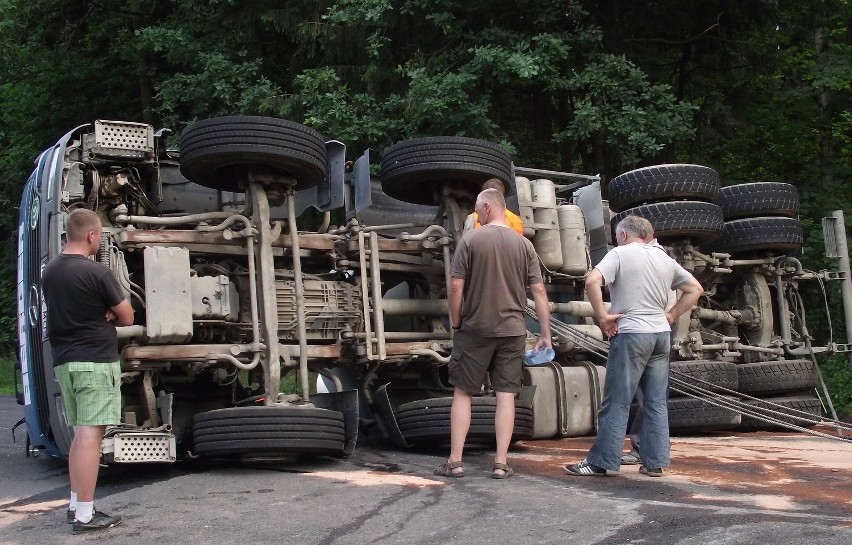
(538, 357)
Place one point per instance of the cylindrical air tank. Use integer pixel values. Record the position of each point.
(546, 221)
(572, 235)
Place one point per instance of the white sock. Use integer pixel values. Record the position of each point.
(85, 511)
(73, 504)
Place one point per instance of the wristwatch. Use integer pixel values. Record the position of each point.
(456, 328)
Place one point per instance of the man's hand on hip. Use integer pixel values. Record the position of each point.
(609, 324)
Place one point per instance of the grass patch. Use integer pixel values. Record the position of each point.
(7, 374)
(837, 373)
(290, 382)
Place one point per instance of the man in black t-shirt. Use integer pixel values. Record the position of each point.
(84, 304)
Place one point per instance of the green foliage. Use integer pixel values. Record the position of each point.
(290, 383)
(226, 85)
(7, 374)
(635, 119)
(837, 372)
(523, 74)
(757, 90)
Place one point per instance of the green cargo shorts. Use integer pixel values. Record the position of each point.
(91, 392)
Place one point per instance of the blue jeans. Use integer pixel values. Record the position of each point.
(634, 359)
(636, 428)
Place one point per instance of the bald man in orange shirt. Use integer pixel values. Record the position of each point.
(512, 219)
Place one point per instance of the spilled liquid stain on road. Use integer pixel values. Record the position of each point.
(778, 472)
(376, 478)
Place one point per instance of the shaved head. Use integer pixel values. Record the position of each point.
(80, 222)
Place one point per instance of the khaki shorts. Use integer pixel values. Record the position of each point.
(475, 357)
(91, 392)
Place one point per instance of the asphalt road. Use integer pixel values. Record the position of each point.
(390, 497)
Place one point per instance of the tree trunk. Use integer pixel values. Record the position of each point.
(145, 88)
(566, 150)
(826, 140)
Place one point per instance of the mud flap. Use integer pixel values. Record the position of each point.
(382, 401)
(345, 402)
(328, 194)
(358, 193)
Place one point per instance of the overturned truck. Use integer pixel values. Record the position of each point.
(258, 256)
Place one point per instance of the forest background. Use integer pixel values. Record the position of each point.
(758, 89)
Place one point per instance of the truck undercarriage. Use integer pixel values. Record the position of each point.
(233, 296)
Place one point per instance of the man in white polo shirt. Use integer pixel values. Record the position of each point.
(640, 276)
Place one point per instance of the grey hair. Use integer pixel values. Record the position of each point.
(636, 226)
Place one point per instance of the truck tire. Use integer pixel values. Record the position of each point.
(413, 170)
(434, 405)
(775, 377)
(216, 152)
(268, 431)
(689, 414)
(699, 221)
(213, 429)
(479, 410)
(662, 183)
(721, 374)
(476, 433)
(444, 419)
(429, 419)
(807, 404)
(759, 199)
(765, 234)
